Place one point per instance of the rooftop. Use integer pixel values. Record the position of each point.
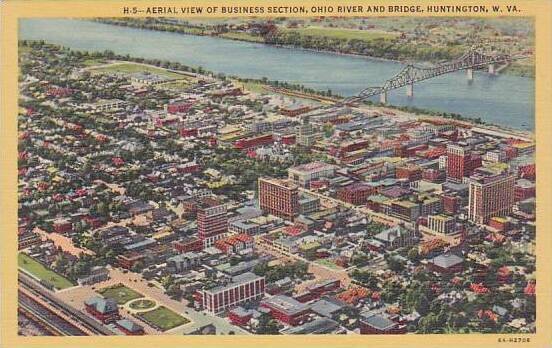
(286, 304)
(313, 167)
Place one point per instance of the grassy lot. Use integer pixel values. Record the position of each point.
(254, 87)
(164, 318)
(341, 33)
(35, 268)
(120, 293)
(176, 85)
(131, 68)
(242, 37)
(328, 263)
(92, 62)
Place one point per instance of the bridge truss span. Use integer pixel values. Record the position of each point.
(411, 73)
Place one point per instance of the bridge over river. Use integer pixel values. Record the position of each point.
(472, 59)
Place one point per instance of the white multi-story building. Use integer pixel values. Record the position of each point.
(243, 288)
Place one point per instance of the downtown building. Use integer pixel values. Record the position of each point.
(490, 195)
(243, 288)
(279, 197)
(212, 221)
(460, 162)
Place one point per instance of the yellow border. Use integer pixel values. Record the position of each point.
(11, 11)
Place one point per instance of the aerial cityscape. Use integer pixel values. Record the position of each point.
(283, 176)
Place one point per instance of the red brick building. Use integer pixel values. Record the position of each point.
(524, 189)
(409, 172)
(212, 221)
(292, 112)
(279, 197)
(356, 193)
(288, 139)
(460, 163)
(234, 244)
(254, 142)
(286, 309)
(240, 316)
(178, 107)
(451, 203)
(188, 244)
(128, 260)
(63, 226)
(103, 309)
(490, 195)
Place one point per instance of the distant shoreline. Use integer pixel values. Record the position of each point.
(507, 71)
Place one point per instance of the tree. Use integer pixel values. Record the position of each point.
(137, 267)
(413, 254)
(167, 281)
(267, 325)
(174, 291)
(395, 265)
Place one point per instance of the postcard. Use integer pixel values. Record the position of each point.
(245, 173)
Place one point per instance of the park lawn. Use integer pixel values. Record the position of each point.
(164, 318)
(342, 33)
(120, 293)
(131, 68)
(35, 268)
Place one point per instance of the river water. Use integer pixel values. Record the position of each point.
(503, 99)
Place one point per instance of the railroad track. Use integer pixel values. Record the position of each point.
(46, 318)
(41, 305)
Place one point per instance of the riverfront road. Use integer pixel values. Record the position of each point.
(38, 302)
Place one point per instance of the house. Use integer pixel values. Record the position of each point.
(446, 263)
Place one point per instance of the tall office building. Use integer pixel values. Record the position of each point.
(212, 221)
(490, 195)
(460, 162)
(306, 133)
(279, 197)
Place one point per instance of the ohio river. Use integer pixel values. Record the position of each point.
(503, 100)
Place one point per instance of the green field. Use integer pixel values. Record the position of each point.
(92, 62)
(130, 68)
(341, 33)
(328, 263)
(120, 293)
(35, 268)
(164, 318)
